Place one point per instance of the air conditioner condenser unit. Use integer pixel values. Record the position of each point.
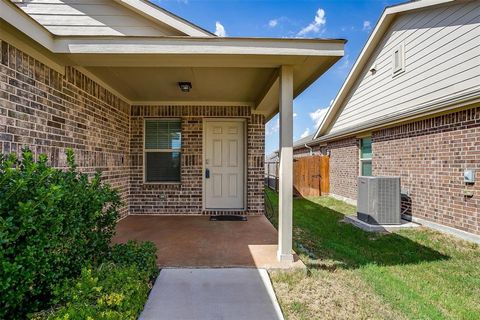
(378, 200)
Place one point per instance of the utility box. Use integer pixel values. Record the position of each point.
(378, 200)
(469, 176)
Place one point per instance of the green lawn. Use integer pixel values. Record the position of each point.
(410, 274)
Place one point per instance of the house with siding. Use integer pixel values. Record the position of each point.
(171, 114)
(410, 107)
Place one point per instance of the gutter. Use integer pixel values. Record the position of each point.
(429, 109)
(309, 148)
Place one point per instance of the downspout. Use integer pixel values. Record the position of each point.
(309, 148)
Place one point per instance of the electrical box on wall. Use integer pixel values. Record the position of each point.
(469, 176)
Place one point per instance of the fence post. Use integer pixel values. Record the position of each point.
(276, 176)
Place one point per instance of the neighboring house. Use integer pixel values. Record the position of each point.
(173, 115)
(410, 108)
(302, 148)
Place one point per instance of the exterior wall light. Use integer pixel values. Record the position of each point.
(185, 86)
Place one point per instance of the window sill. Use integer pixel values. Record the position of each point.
(163, 183)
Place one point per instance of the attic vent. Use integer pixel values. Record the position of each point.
(398, 59)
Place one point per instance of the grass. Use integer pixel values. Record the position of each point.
(409, 274)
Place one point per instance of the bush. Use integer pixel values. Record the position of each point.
(52, 223)
(106, 292)
(141, 255)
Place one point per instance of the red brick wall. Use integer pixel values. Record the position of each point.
(430, 157)
(186, 198)
(256, 166)
(49, 112)
(344, 167)
(317, 150)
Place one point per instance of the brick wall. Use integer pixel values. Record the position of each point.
(430, 157)
(256, 167)
(186, 198)
(344, 167)
(317, 150)
(49, 112)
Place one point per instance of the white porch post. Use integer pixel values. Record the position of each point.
(285, 202)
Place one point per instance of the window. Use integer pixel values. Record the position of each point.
(162, 150)
(398, 59)
(366, 156)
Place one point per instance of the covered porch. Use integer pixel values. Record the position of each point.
(241, 80)
(195, 241)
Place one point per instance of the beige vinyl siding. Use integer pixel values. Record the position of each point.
(442, 61)
(91, 17)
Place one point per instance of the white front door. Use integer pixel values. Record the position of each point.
(224, 167)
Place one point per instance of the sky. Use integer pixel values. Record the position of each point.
(345, 19)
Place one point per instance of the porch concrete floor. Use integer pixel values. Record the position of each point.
(197, 242)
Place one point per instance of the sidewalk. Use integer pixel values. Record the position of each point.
(234, 294)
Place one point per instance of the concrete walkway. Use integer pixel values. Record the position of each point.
(212, 294)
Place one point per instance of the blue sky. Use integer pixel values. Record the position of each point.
(346, 19)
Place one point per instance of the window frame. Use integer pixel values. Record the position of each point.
(396, 70)
(171, 150)
(363, 160)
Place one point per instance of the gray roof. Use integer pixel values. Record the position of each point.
(296, 144)
(272, 156)
(302, 141)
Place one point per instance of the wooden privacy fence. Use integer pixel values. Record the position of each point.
(310, 176)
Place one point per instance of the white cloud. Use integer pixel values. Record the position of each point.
(294, 114)
(345, 62)
(316, 25)
(305, 133)
(220, 29)
(367, 25)
(318, 115)
(273, 23)
(272, 127)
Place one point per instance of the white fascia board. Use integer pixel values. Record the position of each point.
(182, 45)
(377, 34)
(158, 14)
(23, 22)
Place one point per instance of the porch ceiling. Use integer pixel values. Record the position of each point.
(249, 79)
(150, 84)
(232, 71)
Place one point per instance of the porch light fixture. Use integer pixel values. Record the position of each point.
(185, 86)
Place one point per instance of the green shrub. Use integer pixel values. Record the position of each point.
(141, 255)
(52, 223)
(107, 292)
